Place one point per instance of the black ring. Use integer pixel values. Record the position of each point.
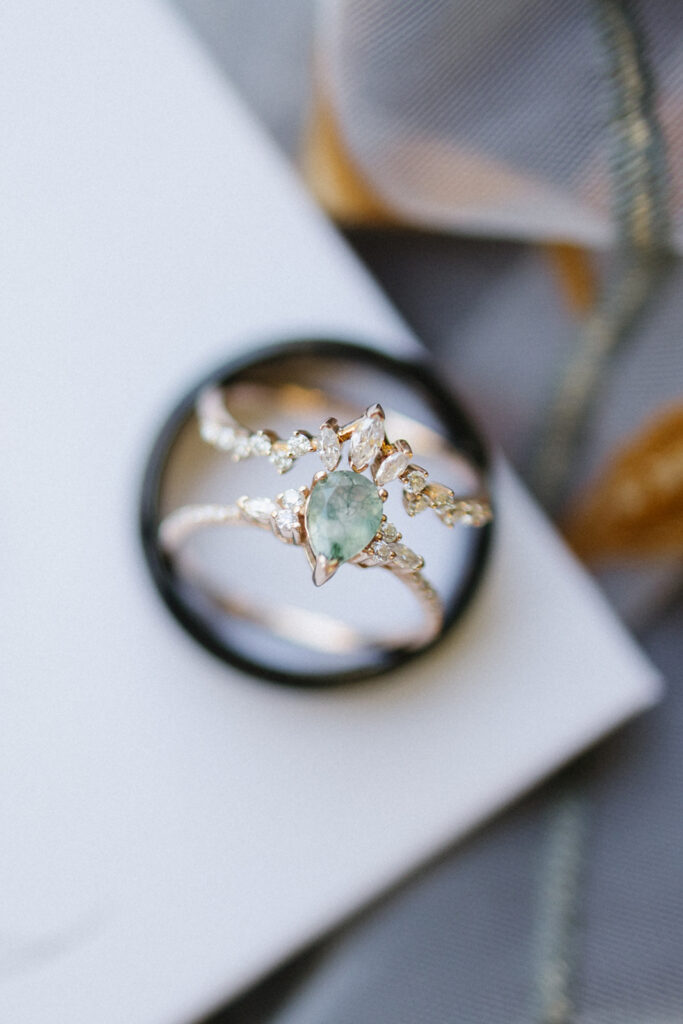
(457, 428)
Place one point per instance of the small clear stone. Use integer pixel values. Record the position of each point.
(299, 444)
(260, 509)
(381, 550)
(414, 503)
(406, 558)
(391, 467)
(241, 449)
(260, 444)
(292, 499)
(469, 513)
(217, 434)
(389, 532)
(287, 521)
(208, 430)
(366, 441)
(329, 447)
(440, 497)
(416, 480)
(281, 457)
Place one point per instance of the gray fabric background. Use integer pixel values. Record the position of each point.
(470, 938)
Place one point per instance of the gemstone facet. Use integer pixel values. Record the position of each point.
(258, 509)
(392, 465)
(407, 559)
(366, 441)
(343, 515)
(329, 447)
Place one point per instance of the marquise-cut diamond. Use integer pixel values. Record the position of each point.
(467, 512)
(366, 441)
(258, 509)
(414, 503)
(440, 497)
(392, 466)
(406, 558)
(329, 447)
(343, 515)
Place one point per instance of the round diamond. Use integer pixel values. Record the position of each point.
(299, 444)
(389, 532)
(381, 550)
(344, 513)
(415, 480)
(281, 457)
(292, 499)
(241, 448)
(218, 434)
(260, 444)
(366, 441)
(287, 521)
(329, 447)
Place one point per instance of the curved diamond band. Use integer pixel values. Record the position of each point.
(369, 447)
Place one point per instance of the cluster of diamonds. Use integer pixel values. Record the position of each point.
(284, 515)
(387, 549)
(369, 446)
(241, 443)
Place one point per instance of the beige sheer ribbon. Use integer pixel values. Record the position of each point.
(349, 188)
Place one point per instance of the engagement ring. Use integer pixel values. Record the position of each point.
(339, 518)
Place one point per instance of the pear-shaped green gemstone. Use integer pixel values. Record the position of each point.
(344, 514)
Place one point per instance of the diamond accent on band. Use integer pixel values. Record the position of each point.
(241, 447)
(381, 550)
(389, 467)
(415, 503)
(259, 510)
(299, 444)
(292, 499)
(260, 443)
(415, 479)
(390, 533)
(365, 442)
(407, 559)
(281, 457)
(440, 497)
(219, 435)
(468, 512)
(287, 522)
(329, 447)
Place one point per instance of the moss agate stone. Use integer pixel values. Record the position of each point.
(344, 514)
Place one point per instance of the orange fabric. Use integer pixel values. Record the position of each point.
(635, 508)
(332, 176)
